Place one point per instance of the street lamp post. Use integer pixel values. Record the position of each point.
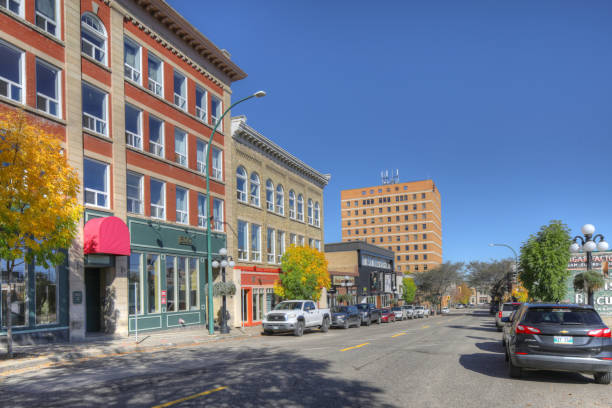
(211, 323)
(588, 244)
(224, 263)
(516, 264)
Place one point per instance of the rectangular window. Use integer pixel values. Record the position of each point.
(13, 6)
(95, 109)
(181, 269)
(194, 285)
(158, 199)
(317, 244)
(156, 136)
(201, 103)
(18, 307)
(243, 242)
(46, 16)
(134, 286)
(270, 245)
(201, 148)
(202, 210)
(170, 284)
(96, 181)
(217, 163)
(131, 60)
(180, 147)
(133, 126)
(255, 243)
(216, 111)
(134, 189)
(11, 72)
(217, 214)
(280, 245)
(311, 242)
(180, 90)
(182, 207)
(46, 294)
(302, 241)
(292, 239)
(48, 88)
(153, 284)
(156, 75)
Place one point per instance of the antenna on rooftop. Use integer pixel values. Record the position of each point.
(386, 179)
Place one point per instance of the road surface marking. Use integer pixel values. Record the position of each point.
(425, 327)
(167, 404)
(354, 347)
(398, 334)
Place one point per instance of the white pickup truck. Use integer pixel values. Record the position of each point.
(295, 316)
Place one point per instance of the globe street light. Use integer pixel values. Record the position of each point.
(223, 329)
(588, 244)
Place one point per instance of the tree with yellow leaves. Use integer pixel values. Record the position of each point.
(304, 274)
(38, 200)
(462, 294)
(520, 293)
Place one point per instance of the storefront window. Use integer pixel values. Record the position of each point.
(194, 287)
(170, 279)
(17, 306)
(46, 294)
(182, 282)
(153, 272)
(135, 294)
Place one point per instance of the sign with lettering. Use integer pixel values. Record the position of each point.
(602, 263)
(163, 297)
(77, 297)
(341, 280)
(184, 240)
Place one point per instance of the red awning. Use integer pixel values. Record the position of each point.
(106, 235)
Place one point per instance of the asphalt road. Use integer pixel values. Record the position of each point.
(448, 361)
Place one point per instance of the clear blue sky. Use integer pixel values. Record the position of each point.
(507, 105)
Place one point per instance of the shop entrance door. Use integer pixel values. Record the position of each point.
(246, 307)
(93, 307)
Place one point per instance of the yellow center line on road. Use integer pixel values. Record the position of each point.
(398, 334)
(167, 404)
(425, 327)
(354, 347)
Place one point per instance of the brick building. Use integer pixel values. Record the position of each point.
(404, 218)
(132, 89)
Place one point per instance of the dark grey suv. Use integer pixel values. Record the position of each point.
(559, 337)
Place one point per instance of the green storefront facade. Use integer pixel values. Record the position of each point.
(602, 263)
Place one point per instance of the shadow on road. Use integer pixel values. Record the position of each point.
(491, 346)
(483, 328)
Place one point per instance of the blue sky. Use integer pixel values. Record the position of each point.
(507, 105)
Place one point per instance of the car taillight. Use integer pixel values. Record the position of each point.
(605, 332)
(526, 329)
(499, 314)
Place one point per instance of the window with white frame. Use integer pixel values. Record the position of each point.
(14, 6)
(254, 189)
(280, 246)
(241, 184)
(243, 241)
(270, 195)
(134, 184)
(216, 108)
(293, 239)
(202, 210)
(93, 37)
(270, 244)
(201, 103)
(280, 200)
(48, 88)
(158, 199)
(95, 109)
(46, 16)
(300, 208)
(156, 75)
(292, 204)
(255, 243)
(310, 211)
(11, 72)
(96, 183)
(131, 60)
(182, 206)
(156, 136)
(317, 214)
(218, 214)
(310, 242)
(180, 90)
(301, 240)
(317, 244)
(180, 146)
(201, 147)
(133, 126)
(217, 163)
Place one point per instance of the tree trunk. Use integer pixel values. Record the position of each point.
(591, 297)
(9, 300)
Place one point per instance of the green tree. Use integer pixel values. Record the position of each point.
(589, 281)
(304, 274)
(543, 262)
(409, 290)
(434, 283)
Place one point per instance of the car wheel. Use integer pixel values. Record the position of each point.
(325, 325)
(499, 329)
(379, 320)
(267, 332)
(299, 329)
(346, 324)
(513, 371)
(603, 378)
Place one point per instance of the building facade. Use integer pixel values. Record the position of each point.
(274, 201)
(133, 91)
(404, 218)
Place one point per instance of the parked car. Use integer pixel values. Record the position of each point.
(507, 327)
(419, 311)
(445, 310)
(345, 316)
(459, 306)
(494, 308)
(409, 311)
(399, 313)
(559, 337)
(506, 311)
(295, 316)
(369, 313)
(387, 315)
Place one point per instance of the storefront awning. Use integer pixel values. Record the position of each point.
(106, 235)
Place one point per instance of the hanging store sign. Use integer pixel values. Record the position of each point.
(341, 280)
(163, 297)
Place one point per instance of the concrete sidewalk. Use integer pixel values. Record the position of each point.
(31, 357)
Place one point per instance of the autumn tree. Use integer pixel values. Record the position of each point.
(304, 274)
(39, 211)
(409, 290)
(462, 294)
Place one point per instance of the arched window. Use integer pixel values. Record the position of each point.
(292, 204)
(254, 190)
(280, 200)
(241, 184)
(93, 37)
(317, 214)
(270, 195)
(300, 208)
(310, 211)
